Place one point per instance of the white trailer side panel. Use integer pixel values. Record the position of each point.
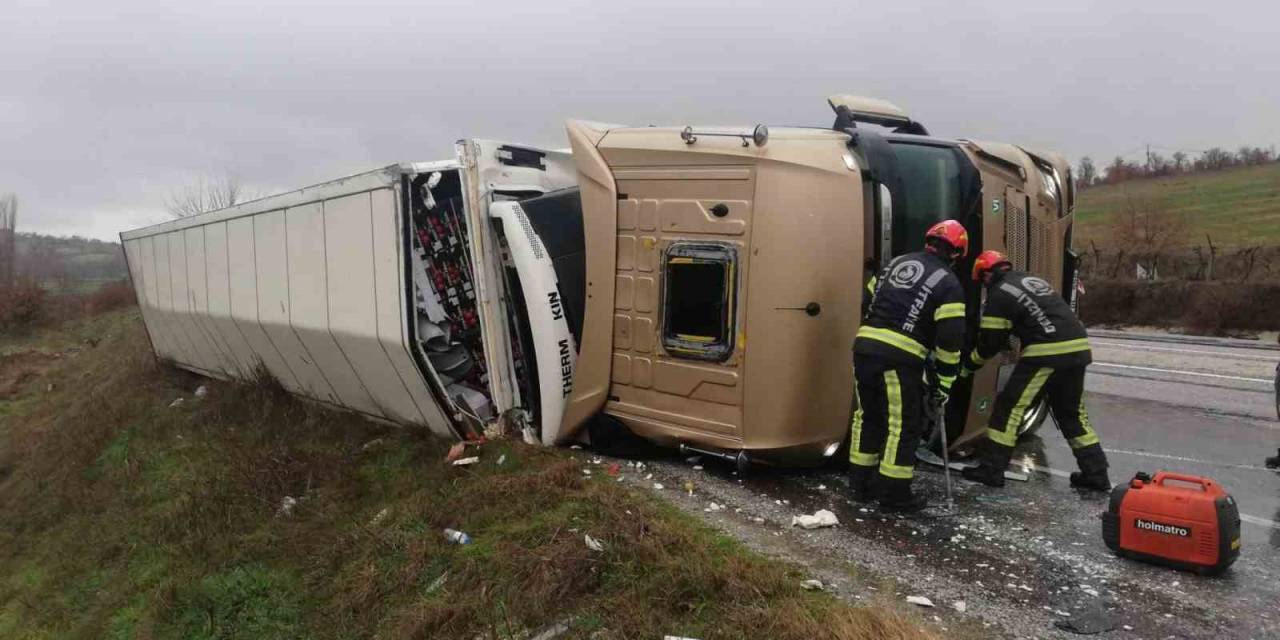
(242, 285)
(270, 234)
(309, 304)
(310, 285)
(219, 293)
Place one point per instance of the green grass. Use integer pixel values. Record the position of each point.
(124, 518)
(1236, 207)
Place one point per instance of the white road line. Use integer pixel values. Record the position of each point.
(1181, 372)
(1162, 456)
(1217, 354)
(1244, 517)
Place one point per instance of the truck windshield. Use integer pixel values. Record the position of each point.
(932, 184)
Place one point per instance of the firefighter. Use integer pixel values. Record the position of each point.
(918, 307)
(1055, 352)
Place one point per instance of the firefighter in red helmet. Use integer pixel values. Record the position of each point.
(1055, 353)
(917, 307)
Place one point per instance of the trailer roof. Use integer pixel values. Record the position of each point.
(346, 185)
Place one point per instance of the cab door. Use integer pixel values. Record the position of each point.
(682, 234)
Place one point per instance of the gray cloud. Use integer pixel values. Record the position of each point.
(105, 107)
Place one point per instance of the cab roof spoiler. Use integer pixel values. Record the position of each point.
(851, 109)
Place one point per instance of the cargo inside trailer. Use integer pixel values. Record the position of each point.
(447, 319)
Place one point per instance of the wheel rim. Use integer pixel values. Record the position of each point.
(1033, 417)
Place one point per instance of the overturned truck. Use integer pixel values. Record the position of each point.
(696, 287)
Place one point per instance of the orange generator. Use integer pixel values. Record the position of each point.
(1173, 519)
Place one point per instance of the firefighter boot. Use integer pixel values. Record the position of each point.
(984, 473)
(990, 470)
(861, 481)
(896, 496)
(1093, 470)
(1274, 461)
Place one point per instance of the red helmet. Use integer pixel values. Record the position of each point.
(952, 233)
(987, 260)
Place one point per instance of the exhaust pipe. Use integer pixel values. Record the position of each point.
(739, 458)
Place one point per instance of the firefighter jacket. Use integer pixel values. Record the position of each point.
(1029, 308)
(918, 307)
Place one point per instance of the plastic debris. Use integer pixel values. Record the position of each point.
(658, 486)
(822, 518)
(286, 506)
(371, 445)
(677, 638)
(697, 467)
(501, 459)
(379, 517)
(613, 470)
(454, 536)
(554, 631)
(202, 391)
(586, 472)
(462, 462)
(455, 451)
(822, 487)
(177, 402)
(592, 543)
(811, 585)
(437, 583)
(713, 507)
(920, 601)
(959, 605)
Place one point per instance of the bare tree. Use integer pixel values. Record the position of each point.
(207, 194)
(8, 238)
(1150, 230)
(1088, 173)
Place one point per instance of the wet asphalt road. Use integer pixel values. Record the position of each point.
(1031, 555)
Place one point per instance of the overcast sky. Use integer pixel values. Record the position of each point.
(105, 107)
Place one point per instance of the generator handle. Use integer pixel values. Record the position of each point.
(1203, 483)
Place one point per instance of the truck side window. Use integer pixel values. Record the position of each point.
(699, 300)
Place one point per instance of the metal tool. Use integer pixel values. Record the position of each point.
(940, 419)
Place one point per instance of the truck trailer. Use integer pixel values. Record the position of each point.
(697, 286)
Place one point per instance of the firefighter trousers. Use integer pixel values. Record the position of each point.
(887, 423)
(1063, 388)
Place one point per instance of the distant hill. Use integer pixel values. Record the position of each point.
(66, 262)
(1236, 207)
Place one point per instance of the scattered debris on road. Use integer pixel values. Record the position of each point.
(920, 601)
(811, 585)
(821, 518)
(592, 543)
(1089, 621)
(456, 537)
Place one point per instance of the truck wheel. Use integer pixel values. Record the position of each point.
(1033, 419)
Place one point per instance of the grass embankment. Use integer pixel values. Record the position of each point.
(1237, 207)
(125, 518)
